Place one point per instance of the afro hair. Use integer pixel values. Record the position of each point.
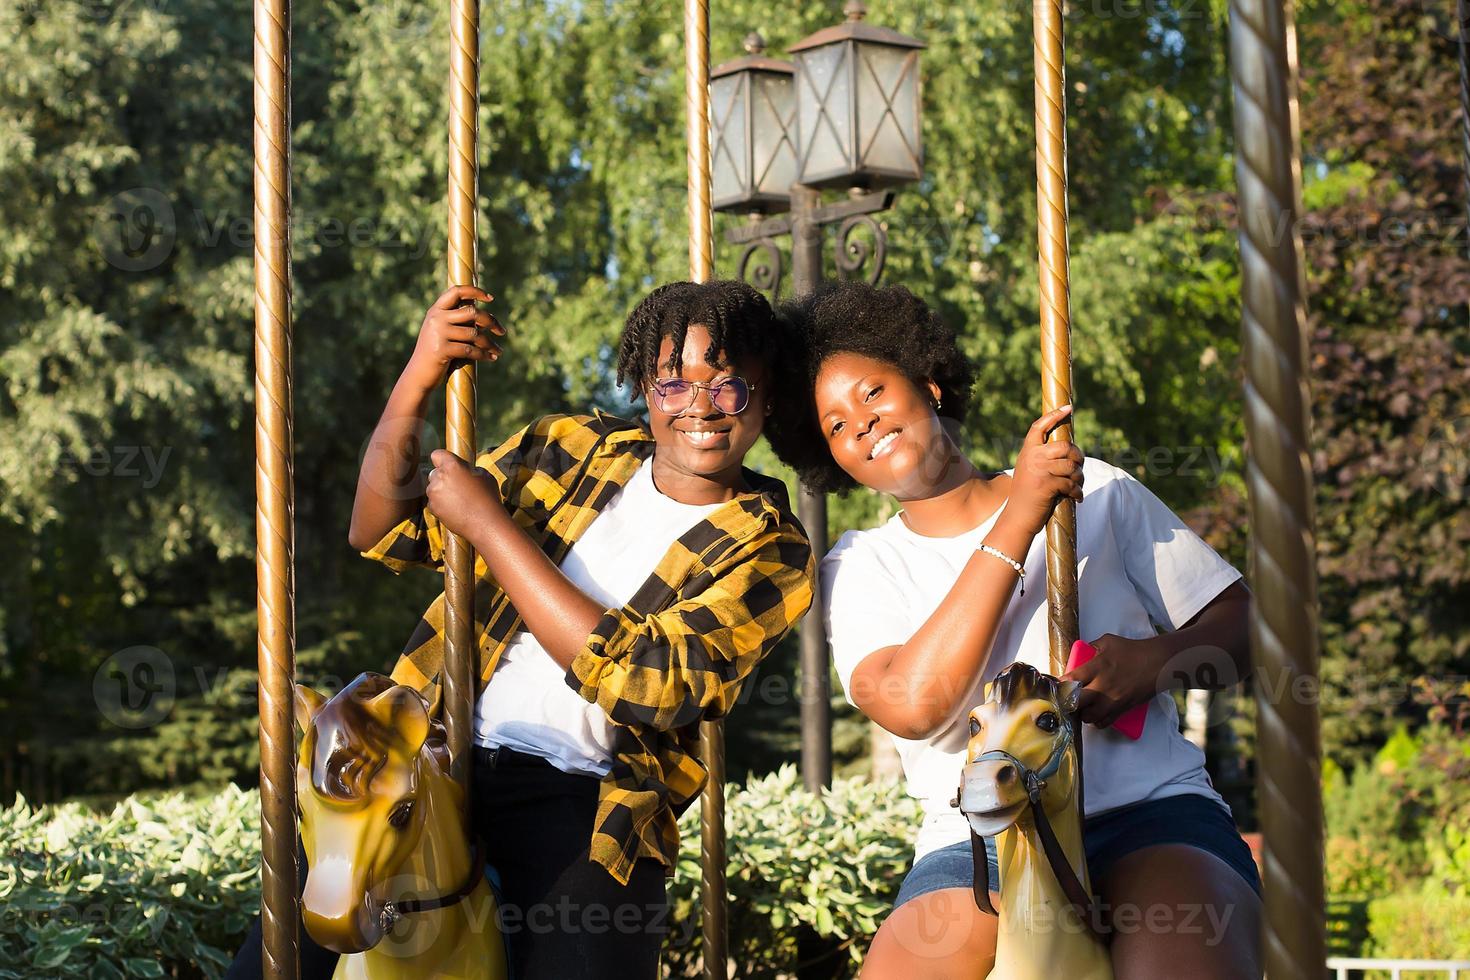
(889, 324)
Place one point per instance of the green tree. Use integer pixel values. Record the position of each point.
(126, 312)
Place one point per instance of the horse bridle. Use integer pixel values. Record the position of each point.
(391, 912)
(1034, 780)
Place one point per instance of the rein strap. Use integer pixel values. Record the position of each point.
(1034, 779)
(393, 911)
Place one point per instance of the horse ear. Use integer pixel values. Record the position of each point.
(1069, 693)
(405, 711)
(307, 703)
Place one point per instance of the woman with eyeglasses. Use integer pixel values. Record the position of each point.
(630, 576)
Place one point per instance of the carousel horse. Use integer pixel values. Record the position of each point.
(1022, 784)
(391, 878)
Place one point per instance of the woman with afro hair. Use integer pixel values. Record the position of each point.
(923, 611)
(630, 575)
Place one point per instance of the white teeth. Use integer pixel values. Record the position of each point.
(702, 438)
(881, 443)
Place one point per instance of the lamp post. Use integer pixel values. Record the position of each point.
(845, 115)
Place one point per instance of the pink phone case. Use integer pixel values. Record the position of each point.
(1131, 722)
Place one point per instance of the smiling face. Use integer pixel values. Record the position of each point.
(882, 428)
(699, 451)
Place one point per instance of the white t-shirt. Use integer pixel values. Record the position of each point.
(1138, 564)
(527, 705)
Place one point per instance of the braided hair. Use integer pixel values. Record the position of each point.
(889, 324)
(739, 320)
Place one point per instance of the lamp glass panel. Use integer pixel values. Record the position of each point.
(773, 127)
(731, 157)
(823, 106)
(887, 88)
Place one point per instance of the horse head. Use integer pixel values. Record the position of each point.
(364, 775)
(1020, 750)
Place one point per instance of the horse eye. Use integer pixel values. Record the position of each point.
(974, 726)
(398, 819)
(1048, 721)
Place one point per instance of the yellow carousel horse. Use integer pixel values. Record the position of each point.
(392, 880)
(1022, 784)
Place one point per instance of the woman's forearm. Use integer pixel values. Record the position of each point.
(389, 485)
(558, 614)
(923, 683)
(1192, 652)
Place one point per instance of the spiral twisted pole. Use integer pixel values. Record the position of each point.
(696, 138)
(1462, 7)
(275, 534)
(701, 268)
(1056, 312)
(460, 660)
(1279, 476)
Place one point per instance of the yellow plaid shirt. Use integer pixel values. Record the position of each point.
(676, 654)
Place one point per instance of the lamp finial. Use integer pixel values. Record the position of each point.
(754, 43)
(855, 10)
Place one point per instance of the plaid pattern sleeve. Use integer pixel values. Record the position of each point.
(686, 662)
(418, 540)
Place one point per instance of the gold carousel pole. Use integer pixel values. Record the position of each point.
(701, 268)
(1056, 315)
(460, 661)
(1279, 476)
(275, 534)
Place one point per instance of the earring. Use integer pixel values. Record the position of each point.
(937, 403)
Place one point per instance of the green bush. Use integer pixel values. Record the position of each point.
(162, 887)
(167, 886)
(832, 864)
(1422, 925)
(1386, 819)
(1449, 859)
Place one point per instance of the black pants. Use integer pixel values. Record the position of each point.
(563, 916)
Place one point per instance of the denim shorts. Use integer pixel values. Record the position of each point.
(1191, 819)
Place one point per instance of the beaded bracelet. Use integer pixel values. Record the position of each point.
(1009, 561)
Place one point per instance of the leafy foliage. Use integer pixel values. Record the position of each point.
(125, 315)
(782, 874)
(167, 886)
(162, 887)
(1419, 926)
(1400, 819)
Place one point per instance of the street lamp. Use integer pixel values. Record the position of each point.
(858, 105)
(753, 138)
(846, 116)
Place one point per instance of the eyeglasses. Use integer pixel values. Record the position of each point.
(675, 395)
